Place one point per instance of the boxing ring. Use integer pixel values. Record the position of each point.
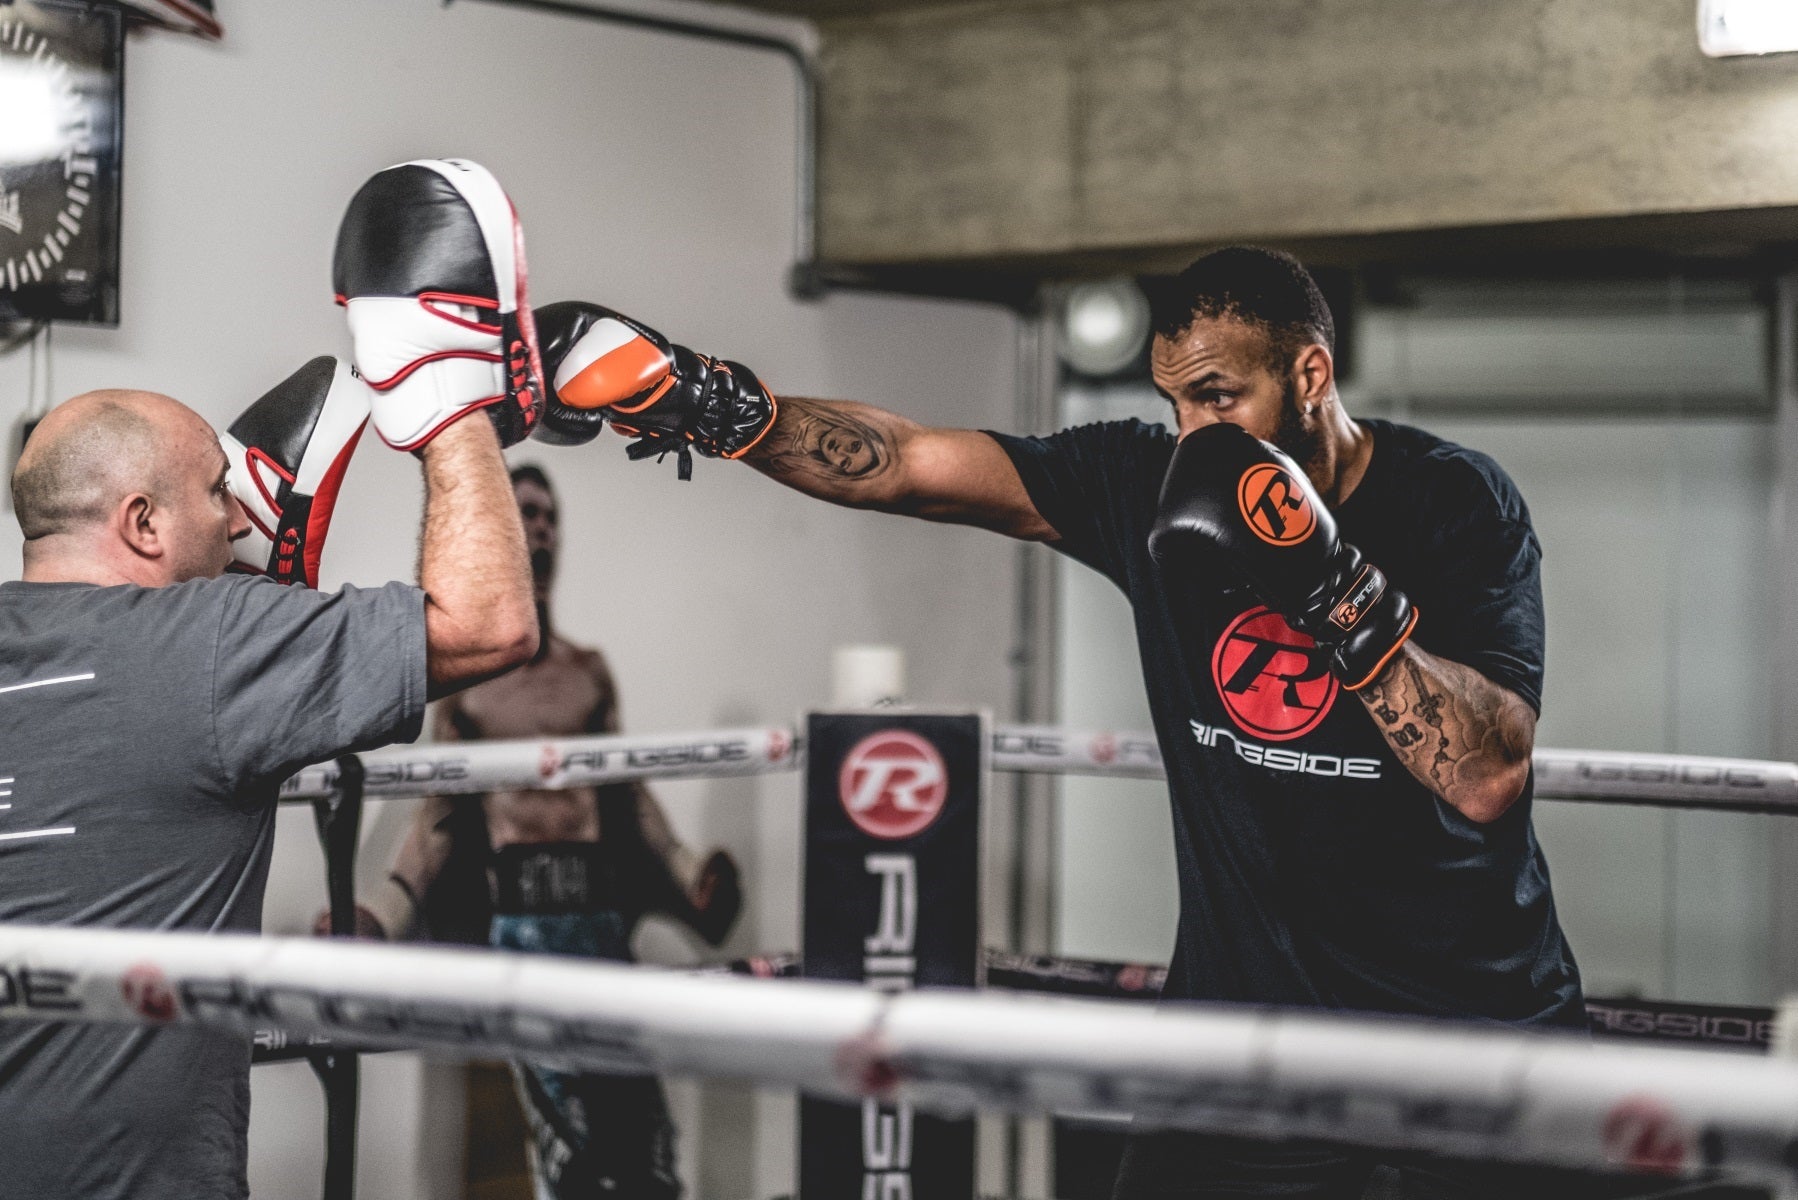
(1404, 1085)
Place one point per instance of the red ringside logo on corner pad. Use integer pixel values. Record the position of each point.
(1644, 1134)
(1273, 680)
(893, 784)
(146, 989)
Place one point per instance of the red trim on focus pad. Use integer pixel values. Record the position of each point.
(264, 530)
(1387, 657)
(256, 452)
(429, 304)
(527, 320)
(324, 501)
(444, 424)
(459, 298)
(405, 372)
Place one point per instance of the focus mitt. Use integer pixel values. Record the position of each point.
(288, 453)
(430, 266)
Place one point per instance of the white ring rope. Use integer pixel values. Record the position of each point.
(455, 768)
(1492, 1094)
(452, 768)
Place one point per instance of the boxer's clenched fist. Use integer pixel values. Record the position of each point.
(603, 366)
(1230, 498)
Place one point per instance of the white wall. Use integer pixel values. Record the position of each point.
(655, 175)
(1114, 889)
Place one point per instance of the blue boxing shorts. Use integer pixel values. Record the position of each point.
(593, 1135)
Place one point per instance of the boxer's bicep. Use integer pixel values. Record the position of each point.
(866, 457)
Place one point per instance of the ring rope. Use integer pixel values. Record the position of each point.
(1482, 1093)
(453, 768)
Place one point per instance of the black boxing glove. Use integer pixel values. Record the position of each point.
(603, 366)
(1230, 497)
(715, 899)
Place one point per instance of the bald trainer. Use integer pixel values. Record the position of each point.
(151, 705)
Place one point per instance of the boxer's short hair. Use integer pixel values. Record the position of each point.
(1265, 288)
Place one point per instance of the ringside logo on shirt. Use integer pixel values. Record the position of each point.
(1274, 681)
(1276, 758)
(893, 784)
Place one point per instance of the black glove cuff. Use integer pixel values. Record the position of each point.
(1360, 617)
(737, 412)
(1360, 658)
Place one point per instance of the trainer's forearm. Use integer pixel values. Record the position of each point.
(836, 450)
(480, 619)
(1464, 737)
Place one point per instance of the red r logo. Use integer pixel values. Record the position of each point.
(893, 784)
(1643, 1134)
(778, 745)
(147, 991)
(1273, 680)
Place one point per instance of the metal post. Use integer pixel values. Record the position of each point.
(339, 820)
(1031, 852)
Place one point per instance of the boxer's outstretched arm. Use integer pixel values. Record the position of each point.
(1464, 737)
(866, 457)
(480, 617)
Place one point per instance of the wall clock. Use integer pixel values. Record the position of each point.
(61, 70)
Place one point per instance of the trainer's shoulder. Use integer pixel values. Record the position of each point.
(191, 598)
(1453, 477)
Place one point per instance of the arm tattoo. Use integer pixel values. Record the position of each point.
(1453, 728)
(816, 445)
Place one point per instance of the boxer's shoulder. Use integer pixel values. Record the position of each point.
(1445, 475)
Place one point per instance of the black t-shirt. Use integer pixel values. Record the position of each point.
(1314, 869)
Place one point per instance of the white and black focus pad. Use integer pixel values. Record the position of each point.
(430, 265)
(288, 453)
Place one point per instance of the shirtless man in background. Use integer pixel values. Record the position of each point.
(568, 871)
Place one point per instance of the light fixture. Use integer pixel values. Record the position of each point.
(1731, 27)
(1103, 326)
(35, 113)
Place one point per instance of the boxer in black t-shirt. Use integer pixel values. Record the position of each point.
(1351, 814)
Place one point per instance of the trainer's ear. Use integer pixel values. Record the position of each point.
(139, 523)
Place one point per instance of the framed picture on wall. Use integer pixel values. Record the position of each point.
(61, 93)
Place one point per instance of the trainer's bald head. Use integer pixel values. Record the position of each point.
(91, 452)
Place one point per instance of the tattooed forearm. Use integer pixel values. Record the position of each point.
(834, 450)
(1463, 736)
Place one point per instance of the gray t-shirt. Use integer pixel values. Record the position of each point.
(143, 735)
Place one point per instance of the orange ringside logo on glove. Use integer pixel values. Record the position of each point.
(1277, 509)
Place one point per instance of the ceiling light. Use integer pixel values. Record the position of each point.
(1104, 326)
(32, 129)
(1731, 27)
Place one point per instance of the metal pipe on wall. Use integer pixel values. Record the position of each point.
(804, 279)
